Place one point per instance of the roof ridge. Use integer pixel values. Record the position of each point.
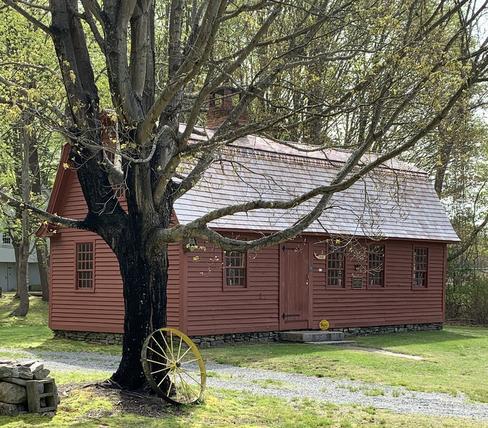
(295, 149)
(320, 161)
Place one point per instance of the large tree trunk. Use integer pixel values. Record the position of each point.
(43, 265)
(41, 246)
(22, 248)
(16, 246)
(145, 278)
(446, 146)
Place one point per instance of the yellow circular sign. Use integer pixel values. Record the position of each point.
(324, 325)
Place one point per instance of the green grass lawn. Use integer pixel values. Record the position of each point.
(32, 333)
(92, 407)
(455, 360)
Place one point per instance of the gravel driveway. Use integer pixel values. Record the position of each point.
(290, 386)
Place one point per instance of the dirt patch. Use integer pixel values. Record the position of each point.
(123, 401)
(143, 405)
(389, 353)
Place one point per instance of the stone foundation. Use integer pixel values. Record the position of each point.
(201, 341)
(384, 329)
(90, 336)
(235, 338)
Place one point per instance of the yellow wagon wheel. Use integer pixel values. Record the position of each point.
(173, 366)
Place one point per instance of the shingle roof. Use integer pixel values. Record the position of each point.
(396, 201)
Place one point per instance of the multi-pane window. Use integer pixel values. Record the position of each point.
(6, 239)
(84, 265)
(420, 266)
(336, 267)
(376, 265)
(235, 268)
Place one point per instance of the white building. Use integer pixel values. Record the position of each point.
(8, 280)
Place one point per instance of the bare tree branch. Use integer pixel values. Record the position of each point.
(33, 20)
(188, 69)
(49, 217)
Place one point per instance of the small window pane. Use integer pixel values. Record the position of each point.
(84, 265)
(6, 239)
(420, 266)
(376, 265)
(235, 268)
(336, 267)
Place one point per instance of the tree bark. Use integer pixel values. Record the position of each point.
(43, 265)
(16, 246)
(145, 278)
(41, 246)
(22, 263)
(23, 239)
(23, 268)
(444, 158)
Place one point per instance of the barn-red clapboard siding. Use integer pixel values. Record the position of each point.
(212, 309)
(100, 309)
(200, 303)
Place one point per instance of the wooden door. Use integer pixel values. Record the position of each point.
(294, 290)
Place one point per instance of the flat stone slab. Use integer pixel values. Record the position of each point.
(312, 336)
(334, 343)
(17, 381)
(11, 393)
(9, 371)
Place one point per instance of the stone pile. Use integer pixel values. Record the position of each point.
(26, 387)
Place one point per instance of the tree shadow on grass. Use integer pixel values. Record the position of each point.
(56, 344)
(143, 409)
(91, 405)
(235, 354)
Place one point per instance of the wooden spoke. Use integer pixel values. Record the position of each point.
(186, 389)
(171, 356)
(193, 383)
(158, 362)
(162, 380)
(170, 385)
(159, 371)
(179, 350)
(186, 352)
(157, 353)
(170, 378)
(190, 392)
(160, 347)
(190, 376)
(189, 386)
(189, 361)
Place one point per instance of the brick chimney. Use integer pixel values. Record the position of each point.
(220, 104)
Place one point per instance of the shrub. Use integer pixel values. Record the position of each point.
(468, 301)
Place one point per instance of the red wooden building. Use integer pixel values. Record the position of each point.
(377, 257)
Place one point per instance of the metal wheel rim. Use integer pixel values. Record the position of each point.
(167, 353)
